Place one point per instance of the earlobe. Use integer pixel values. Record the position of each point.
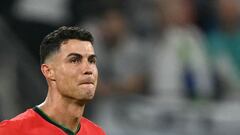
(47, 72)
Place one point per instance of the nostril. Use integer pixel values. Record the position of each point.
(88, 73)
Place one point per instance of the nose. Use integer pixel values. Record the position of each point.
(87, 69)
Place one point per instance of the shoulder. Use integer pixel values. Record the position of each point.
(91, 126)
(13, 125)
(8, 128)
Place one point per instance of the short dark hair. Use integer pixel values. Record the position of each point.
(52, 42)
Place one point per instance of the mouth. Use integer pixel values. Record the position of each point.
(87, 83)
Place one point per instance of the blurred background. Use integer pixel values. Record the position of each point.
(167, 67)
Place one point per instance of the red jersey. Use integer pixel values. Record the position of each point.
(35, 122)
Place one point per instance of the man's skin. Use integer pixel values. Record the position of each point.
(71, 74)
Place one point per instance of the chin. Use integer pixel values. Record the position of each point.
(88, 96)
(83, 101)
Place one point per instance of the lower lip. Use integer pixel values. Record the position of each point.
(86, 84)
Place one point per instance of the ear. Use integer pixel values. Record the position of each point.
(48, 72)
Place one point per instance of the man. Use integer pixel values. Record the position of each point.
(68, 63)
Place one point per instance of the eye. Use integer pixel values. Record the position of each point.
(75, 60)
(92, 60)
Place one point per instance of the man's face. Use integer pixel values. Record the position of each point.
(75, 71)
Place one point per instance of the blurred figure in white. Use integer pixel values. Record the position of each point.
(180, 73)
(180, 66)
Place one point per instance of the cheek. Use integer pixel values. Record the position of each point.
(65, 82)
(96, 73)
(64, 74)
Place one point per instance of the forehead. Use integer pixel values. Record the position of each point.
(76, 46)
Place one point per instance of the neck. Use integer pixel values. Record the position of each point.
(63, 110)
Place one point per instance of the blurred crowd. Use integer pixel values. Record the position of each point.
(167, 67)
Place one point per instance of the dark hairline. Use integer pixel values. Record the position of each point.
(60, 45)
(53, 41)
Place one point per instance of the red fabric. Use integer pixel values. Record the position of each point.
(31, 123)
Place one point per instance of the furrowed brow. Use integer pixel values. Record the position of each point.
(74, 54)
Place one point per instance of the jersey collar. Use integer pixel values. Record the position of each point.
(48, 119)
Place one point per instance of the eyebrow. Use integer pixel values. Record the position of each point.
(74, 54)
(79, 55)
